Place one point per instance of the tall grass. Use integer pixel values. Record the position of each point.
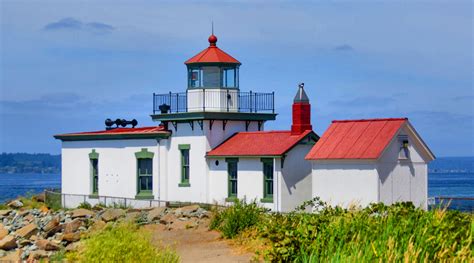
(123, 243)
(379, 233)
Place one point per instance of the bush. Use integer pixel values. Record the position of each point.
(85, 205)
(123, 243)
(233, 220)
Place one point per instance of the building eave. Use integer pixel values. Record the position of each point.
(125, 136)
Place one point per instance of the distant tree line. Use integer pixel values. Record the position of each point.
(30, 163)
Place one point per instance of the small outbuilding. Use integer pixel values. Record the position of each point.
(358, 162)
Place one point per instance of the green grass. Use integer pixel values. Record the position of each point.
(379, 233)
(122, 243)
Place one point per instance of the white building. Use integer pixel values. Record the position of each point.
(209, 147)
(358, 162)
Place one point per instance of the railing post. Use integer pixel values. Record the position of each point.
(238, 100)
(169, 98)
(186, 100)
(227, 98)
(250, 101)
(177, 102)
(204, 99)
(154, 106)
(273, 101)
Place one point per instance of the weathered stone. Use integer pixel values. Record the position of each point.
(186, 210)
(112, 214)
(23, 212)
(97, 225)
(73, 246)
(24, 242)
(14, 256)
(44, 209)
(29, 218)
(156, 213)
(51, 224)
(39, 197)
(34, 238)
(27, 231)
(71, 237)
(2, 253)
(81, 212)
(168, 219)
(47, 245)
(7, 243)
(38, 254)
(5, 212)
(55, 230)
(3, 232)
(131, 217)
(15, 204)
(73, 226)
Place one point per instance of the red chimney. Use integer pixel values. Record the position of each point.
(301, 112)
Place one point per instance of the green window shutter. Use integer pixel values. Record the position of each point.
(267, 180)
(144, 154)
(185, 169)
(93, 155)
(94, 169)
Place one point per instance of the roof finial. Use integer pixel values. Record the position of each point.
(212, 39)
(212, 27)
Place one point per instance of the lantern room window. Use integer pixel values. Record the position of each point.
(213, 77)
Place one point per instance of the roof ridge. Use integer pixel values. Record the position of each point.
(373, 119)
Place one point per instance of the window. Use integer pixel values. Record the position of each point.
(229, 78)
(404, 153)
(94, 168)
(232, 175)
(184, 148)
(267, 180)
(195, 78)
(144, 174)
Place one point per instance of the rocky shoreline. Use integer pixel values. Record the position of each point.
(36, 234)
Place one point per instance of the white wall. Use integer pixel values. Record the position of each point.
(345, 183)
(403, 180)
(117, 166)
(296, 178)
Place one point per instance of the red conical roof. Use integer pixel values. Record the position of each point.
(212, 54)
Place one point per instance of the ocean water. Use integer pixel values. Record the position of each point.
(439, 184)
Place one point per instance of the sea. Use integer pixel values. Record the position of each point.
(448, 177)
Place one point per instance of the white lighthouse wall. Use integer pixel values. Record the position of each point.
(296, 178)
(117, 168)
(403, 180)
(345, 183)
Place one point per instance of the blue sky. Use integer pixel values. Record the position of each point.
(66, 66)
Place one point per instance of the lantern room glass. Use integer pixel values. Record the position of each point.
(213, 77)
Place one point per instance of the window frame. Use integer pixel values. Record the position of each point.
(232, 162)
(94, 173)
(267, 162)
(144, 154)
(185, 148)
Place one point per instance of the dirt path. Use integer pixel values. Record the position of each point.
(197, 244)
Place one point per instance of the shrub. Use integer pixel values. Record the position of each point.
(85, 205)
(238, 217)
(123, 243)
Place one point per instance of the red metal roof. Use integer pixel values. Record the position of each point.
(356, 139)
(262, 143)
(141, 130)
(212, 54)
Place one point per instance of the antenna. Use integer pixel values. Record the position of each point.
(212, 27)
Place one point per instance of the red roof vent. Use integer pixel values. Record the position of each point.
(212, 54)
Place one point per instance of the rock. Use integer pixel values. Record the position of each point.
(168, 219)
(2, 253)
(71, 237)
(3, 232)
(23, 212)
(5, 212)
(29, 218)
(39, 197)
(24, 242)
(27, 231)
(47, 245)
(54, 222)
(14, 256)
(73, 246)
(73, 226)
(156, 213)
(37, 255)
(131, 217)
(55, 230)
(44, 209)
(97, 225)
(8, 242)
(186, 210)
(112, 214)
(34, 238)
(15, 204)
(200, 213)
(81, 212)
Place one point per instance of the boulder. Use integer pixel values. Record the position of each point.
(27, 231)
(73, 246)
(3, 232)
(97, 225)
(47, 245)
(112, 214)
(38, 255)
(39, 197)
(15, 204)
(54, 222)
(168, 219)
(81, 212)
(14, 256)
(8, 242)
(71, 237)
(186, 210)
(131, 217)
(44, 209)
(156, 213)
(55, 230)
(5, 212)
(73, 226)
(29, 218)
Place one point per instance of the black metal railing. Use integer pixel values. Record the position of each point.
(214, 100)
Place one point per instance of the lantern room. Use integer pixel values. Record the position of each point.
(213, 68)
